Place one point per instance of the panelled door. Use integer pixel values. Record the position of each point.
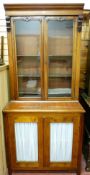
(25, 141)
(61, 141)
(28, 53)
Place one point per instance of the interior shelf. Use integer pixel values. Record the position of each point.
(28, 55)
(51, 76)
(30, 76)
(60, 76)
(30, 93)
(57, 56)
(59, 91)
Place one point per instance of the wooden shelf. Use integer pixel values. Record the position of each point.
(29, 93)
(57, 56)
(28, 55)
(29, 76)
(60, 76)
(51, 76)
(59, 91)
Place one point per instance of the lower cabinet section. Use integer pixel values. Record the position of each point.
(43, 140)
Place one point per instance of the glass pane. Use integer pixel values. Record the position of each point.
(26, 138)
(28, 57)
(61, 141)
(60, 49)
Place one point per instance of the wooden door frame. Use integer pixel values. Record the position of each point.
(26, 118)
(63, 118)
(14, 63)
(74, 79)
(44, 62)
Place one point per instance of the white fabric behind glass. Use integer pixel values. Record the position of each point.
(61, 138)
(26, 136)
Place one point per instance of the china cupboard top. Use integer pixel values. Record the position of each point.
(16, 9)
(45, 57)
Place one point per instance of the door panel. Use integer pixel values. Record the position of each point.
(60, 43)
(61, 140)
(26, 138)
(60, 46)
(26, 133)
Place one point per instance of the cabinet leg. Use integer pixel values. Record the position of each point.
(88, 156)
(9, 172)
(79, 172)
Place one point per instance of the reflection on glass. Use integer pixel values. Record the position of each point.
(28, 57)
(60, 46)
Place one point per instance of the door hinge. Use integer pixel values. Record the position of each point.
(8, 23)
(80, 20)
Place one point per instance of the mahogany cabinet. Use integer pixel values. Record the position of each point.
(44, 122)
(43, 136)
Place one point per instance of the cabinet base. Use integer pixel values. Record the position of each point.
(45, 171)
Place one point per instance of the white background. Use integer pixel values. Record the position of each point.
(86, 2)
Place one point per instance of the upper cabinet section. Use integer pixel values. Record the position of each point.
(44, 50)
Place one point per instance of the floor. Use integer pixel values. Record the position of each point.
(83, 172)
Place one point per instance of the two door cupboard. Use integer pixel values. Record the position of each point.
(44, 120)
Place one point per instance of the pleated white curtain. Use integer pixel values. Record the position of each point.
(61, 138)
(26, 136)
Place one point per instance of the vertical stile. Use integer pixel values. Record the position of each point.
(77, 70)
(74, 56)
(14, 59)
(42, 57)
(46, 58)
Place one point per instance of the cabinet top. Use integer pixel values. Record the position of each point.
(43, 106)
(11, 9)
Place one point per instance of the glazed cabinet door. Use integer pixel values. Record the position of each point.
(25, 141)
(45, 60)
(61, 143)
(60, 55)
(28, 53)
